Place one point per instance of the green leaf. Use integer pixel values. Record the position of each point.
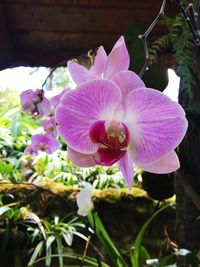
(4, 209)
(144, 253)
(48, 257)
(104, 238)
(35, 234)
(60, 251)
(50, 240)
(68, 237)
(36, 252)
(136, 250)
(78, 258)
(165, 261)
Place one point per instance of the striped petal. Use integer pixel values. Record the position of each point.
(118, 59)
(80, 159)
(99, 63)
(78, 72)
(91, 101)
(156, 124)
(166, 164)
(126, 167)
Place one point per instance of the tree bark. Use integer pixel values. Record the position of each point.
(187, 185)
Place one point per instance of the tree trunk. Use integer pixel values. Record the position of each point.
(188, 179)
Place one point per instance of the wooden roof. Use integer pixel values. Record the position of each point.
(45, 32)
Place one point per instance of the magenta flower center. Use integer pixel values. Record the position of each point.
(50, 128)
(113, 139)
(43, 147)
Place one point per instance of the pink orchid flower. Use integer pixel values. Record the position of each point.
(122, 121)
(104, 66)
(42, 142)
(34, 103)
(49, 125)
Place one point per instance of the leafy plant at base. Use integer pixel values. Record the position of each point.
(106, 241)
(138, 252)
(137, 249)
(49, 237)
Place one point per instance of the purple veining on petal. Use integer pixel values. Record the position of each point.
(106, 121)
(126, 167)
(55, 100)
(104, 66)
(99, 63)
(166, 164)
(80, 159)
(80, 108)
(78, 72)
(156, 124)
(118, 59)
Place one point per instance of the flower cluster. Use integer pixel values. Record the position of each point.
(35, 103)
(111, 116)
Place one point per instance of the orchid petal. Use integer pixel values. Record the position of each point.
(156, 124)
(127, 81)
(48, 143)
(27, 98)
(30, 150)
(55, 100)
(118, 59)
(166, 164)
(91, 101)
(44, 107)
(99, 62)
(126, 167)
(80, 159)
(78, 72)
(84, 201)
(49, 125)
(108, 156)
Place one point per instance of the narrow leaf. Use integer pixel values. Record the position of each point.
(4, 209)
(36, 252)
(136, 251)
(104, 238)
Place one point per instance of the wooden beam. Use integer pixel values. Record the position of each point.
(6, 48)
(33, 58)
(145, 4)
(52, 41)
(73, 19)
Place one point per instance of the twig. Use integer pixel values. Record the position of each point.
(85, 251)
(144, 36)
(60, 64)
(189, 20)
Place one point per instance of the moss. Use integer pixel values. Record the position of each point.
(115, 194)
(111, 195)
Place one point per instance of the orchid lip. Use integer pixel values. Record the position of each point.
(113, 139)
